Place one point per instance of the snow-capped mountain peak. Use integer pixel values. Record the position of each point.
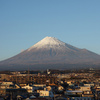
(48, 42)
(51, 53)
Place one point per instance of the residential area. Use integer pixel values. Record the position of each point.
(50, 85)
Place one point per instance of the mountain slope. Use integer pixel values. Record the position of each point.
(52, 51)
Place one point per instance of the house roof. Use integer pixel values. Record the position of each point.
(73, 91)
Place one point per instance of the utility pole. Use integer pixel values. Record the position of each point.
(28, 74)
(11, 96)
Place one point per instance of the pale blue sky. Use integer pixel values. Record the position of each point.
(25, 22)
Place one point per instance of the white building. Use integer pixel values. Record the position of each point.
(7, 85)
(28, 88)
(45, 93)
(85, 88)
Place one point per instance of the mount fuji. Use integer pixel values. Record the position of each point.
(51, 53)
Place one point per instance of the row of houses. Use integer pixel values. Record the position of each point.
(47, 87)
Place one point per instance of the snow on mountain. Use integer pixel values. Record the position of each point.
(49, 51)
(48, 42)
(51, 42)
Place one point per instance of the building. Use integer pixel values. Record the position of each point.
(73, 93)
(20, 78)
(28, 88)
(43, 79)
(45, 93)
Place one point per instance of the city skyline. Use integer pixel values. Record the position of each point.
(24, 23)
